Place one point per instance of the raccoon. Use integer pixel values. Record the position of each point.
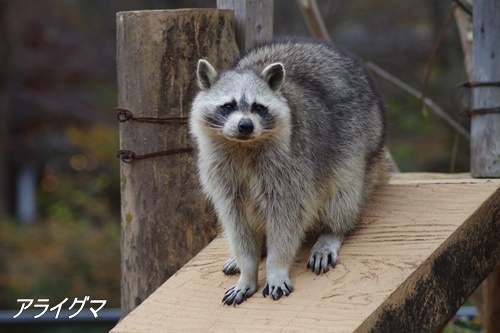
(290, 141)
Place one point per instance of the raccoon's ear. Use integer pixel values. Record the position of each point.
(274, 75)
(206, 74)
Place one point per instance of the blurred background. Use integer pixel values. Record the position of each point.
(59, 175)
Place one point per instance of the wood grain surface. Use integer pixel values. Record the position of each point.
(403, 270)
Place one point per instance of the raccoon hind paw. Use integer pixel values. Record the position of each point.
(319, 263)
(230, 267)
(324, 253)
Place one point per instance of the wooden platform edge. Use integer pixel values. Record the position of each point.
(424, 300)
(469, 255)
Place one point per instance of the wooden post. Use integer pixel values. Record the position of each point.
(254, 20)
(485, 128)
(165, 219)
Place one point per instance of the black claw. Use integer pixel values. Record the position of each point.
(227, 301)
(229, 291)
(224, 299)
(265, 291)
(331, 260)
(279, 293)
(232, 297)
(229, 296)
(286, 290)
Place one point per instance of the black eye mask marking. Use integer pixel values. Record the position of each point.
(227, 108)
(259, 109)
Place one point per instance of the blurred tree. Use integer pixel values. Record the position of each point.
(4, 104)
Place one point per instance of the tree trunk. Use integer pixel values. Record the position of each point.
(165, 218)
(485, 128)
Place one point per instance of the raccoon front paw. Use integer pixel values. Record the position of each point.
(324, 253)
(276, 290)
(238, 293)
(230, 267)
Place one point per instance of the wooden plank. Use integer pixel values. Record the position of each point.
(165, 218)
(407, 239)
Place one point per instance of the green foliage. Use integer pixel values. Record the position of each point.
(420, 141)
(464, 325)
(58, 259)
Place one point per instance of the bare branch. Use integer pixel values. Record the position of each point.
(465, 5)
(314, 21)
(428, 102)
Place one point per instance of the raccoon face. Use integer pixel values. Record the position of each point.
(241, 105)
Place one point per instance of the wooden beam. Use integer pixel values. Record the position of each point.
(165, 218)
(253, 18)
(420, 249)
(485, 128)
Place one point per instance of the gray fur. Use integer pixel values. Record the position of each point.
(290, 140)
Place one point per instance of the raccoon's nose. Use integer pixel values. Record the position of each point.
(245, 126)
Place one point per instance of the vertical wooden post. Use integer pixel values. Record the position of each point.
(165, 219)
(254, 20)
(485, 128)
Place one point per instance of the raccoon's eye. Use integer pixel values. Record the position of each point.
(228, 107)
(260, 109)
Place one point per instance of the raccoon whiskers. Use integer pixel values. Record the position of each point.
(214, 122)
